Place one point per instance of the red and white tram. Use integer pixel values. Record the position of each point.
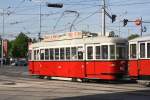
(78, 55)
(139, 59)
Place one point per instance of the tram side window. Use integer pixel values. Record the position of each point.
(89, 52)
(30, 54)
(142, 50)
(56, 53)
(112, 51)
(104, 51)
(35, 54)
(132, 50)
(97, 48)
(38, 55)
(46, 54)
(73, 53)
(62, 53)
(148, 50)
(51, 52)
(42, 54)
(80, 52)
(121, 52)
(67, 53)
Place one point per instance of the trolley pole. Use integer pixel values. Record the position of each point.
(141, 27)
(103, 18)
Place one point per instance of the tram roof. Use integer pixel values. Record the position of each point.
(144, 38)
(86, 40)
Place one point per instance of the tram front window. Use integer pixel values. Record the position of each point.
(80, 53)
(121, 52)
(46, 54)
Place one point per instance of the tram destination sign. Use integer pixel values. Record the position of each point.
(65, 36)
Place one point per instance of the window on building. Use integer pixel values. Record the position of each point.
(62, 53)
(42, 51)
(56, 53)
(104, 51)
(112, 51)
(51, 52)
(98, 50)
(80, 52)
(67, 53)
(46, 54)
(142, 50)
(148, 50)
(133, 51)
(89, 52)
(73, 53)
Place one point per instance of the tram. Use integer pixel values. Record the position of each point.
(139, 59)
(79, 55)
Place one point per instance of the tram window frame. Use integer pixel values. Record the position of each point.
(56, 53)
(97, 52)
(51, 54)
(42, 54)
(46, 54)
(80, 52)
(143, 53)
(90, 52)
(62, 54)
(67, 52)
(112, 51)
(148, 49)
(133, 53)
(105, 54)
(73, 53)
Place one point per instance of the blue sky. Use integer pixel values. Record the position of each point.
(24, 15)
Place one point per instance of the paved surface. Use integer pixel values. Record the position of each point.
(16, 84)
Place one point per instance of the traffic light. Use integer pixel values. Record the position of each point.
(125, 21)
(113, 18)
(55, 5)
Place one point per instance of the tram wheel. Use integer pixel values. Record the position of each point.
(84, 80)
(74, 80)
(41, 77)
(49, 77)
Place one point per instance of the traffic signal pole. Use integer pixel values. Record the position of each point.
(103, 19)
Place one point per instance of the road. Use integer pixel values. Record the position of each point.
(16, 84)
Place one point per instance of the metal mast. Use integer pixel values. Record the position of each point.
(103, 18)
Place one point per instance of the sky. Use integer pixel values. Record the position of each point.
(24, 16)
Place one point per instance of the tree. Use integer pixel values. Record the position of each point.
(19, 47)
(132, 36)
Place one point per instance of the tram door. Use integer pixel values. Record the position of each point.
(90, 63)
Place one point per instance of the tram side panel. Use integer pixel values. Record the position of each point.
(71, 69)
(133, 68)
(144, 69)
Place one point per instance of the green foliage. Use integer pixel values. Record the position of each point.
(19, 47)
(132, 36)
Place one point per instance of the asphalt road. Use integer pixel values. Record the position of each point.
(16, 84)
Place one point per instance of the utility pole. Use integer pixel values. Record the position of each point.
(1, 37)
(141, 27)
(40, 24)
(103, 19)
